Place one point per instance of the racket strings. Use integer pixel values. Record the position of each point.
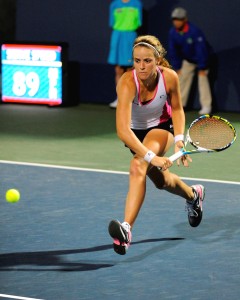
(211, 133)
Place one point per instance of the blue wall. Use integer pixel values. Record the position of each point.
(84, 25)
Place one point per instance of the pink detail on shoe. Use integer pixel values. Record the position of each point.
(199, 190)
(115, 241)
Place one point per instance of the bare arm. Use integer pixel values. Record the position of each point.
(178, 115)
(173, 90)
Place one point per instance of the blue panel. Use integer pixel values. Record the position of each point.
(31, 74)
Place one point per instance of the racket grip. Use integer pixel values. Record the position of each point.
(177, 155)
(174, 157)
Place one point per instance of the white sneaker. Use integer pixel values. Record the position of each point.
(113, 104)
(205, 110)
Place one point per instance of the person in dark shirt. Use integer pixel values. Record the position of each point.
(188, 52)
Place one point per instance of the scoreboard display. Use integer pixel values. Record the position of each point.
(34, 73)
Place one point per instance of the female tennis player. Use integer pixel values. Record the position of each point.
(149, 119)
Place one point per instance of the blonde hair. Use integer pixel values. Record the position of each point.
(153, 42)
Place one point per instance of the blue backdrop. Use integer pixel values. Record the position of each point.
(84, 25)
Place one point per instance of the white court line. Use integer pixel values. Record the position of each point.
(17, 297)
(106, 171)
(61, 167)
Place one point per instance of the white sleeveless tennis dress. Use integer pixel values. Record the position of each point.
(155, 111)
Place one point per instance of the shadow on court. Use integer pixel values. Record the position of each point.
(56, 259)
(215, 229)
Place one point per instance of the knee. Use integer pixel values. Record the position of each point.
(137, 168)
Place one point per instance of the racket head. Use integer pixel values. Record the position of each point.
(212, 133)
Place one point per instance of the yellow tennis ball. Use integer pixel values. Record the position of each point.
(12, 196)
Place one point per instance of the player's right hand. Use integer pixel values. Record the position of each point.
(163, 162)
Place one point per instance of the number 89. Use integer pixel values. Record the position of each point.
(22, 82)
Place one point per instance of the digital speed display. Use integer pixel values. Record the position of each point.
(32, 74)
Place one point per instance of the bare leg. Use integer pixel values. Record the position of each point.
(137, 189)
(171, 183)
(165, 179)
(158, 141)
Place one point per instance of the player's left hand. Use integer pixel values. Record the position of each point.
(185, 159)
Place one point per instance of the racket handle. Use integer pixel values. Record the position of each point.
(174, 157)
(177, 155)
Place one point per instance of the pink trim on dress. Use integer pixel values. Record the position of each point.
(167, 110)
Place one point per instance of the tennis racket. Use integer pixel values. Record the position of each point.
(208, 133)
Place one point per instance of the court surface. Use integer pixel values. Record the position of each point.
(55, 244)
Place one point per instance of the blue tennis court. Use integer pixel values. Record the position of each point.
(55, 243)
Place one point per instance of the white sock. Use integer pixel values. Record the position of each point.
(126, 226)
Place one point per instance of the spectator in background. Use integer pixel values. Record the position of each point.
(125, 18)
(188, 52)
